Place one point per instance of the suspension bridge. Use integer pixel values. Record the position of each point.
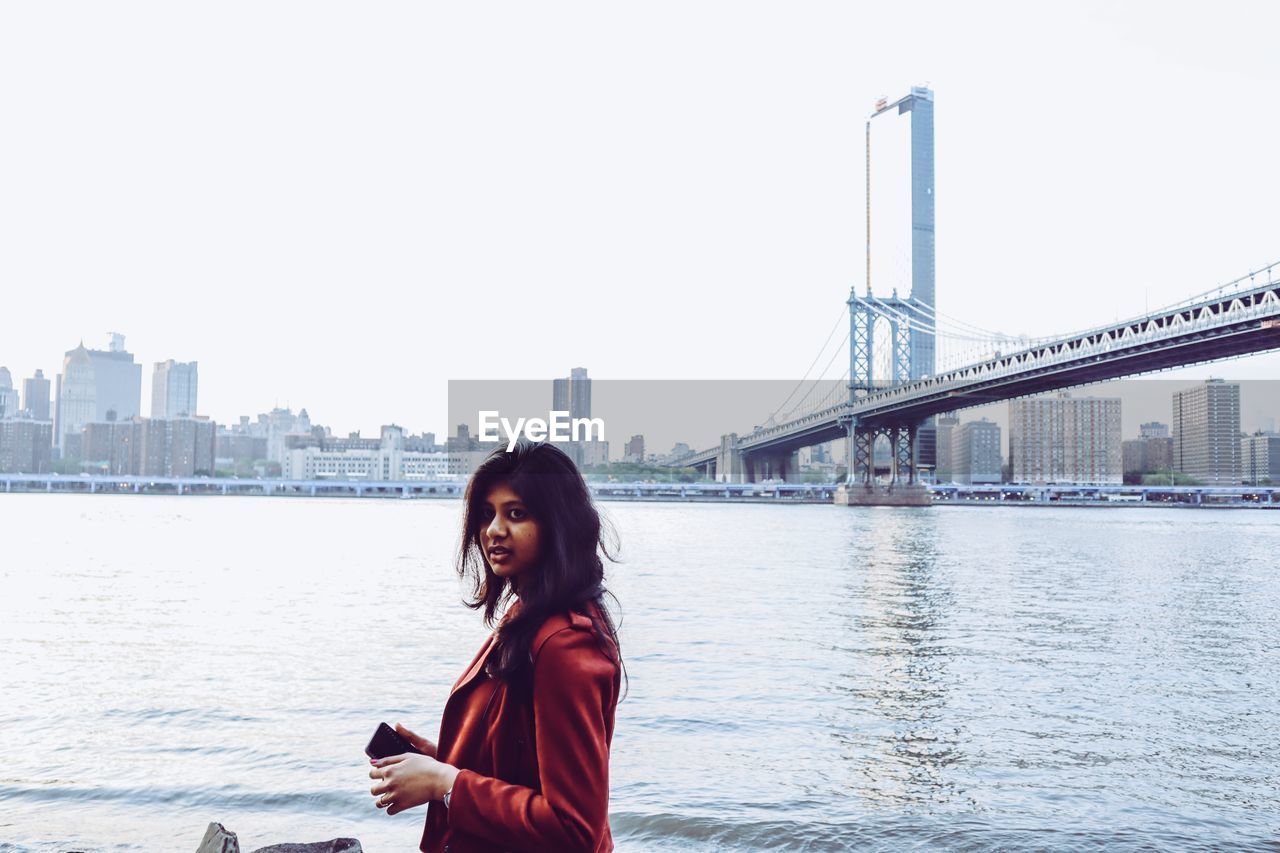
(896, 381)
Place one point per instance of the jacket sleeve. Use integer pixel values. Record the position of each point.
(574, 686)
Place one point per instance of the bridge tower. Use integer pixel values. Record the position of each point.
(911, 321)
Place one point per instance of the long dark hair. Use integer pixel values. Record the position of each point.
(569, 574)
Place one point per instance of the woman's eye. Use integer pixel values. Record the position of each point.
(517, 514)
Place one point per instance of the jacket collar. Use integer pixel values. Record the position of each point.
(552, 625)
(477, 666)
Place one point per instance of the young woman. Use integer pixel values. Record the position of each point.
(522, 761)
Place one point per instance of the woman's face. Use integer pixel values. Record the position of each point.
(509, 537)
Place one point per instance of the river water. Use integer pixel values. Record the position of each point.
(801, 677)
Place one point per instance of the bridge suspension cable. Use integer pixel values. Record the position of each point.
(948, 331)
(1221, 289)
(839, 320)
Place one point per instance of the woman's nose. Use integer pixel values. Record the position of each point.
(496, 527)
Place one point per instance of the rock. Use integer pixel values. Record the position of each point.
(218, 839)
(337, 845)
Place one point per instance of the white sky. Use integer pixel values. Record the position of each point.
(342, 206)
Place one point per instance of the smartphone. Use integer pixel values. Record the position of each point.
(387, 741)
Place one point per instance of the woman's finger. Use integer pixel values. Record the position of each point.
(426, 746)
(385, 796)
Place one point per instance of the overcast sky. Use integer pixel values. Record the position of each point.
(342, 206)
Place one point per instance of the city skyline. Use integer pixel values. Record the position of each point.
(1262, 411)
(1147, 199)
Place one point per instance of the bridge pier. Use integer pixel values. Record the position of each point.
(860, 487)
(729, 462)
(903, 441)
(761, 466)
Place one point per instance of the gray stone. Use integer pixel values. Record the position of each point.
(218, 839)
(337, 845)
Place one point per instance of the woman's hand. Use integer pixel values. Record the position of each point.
(427, 747)
(404, 781)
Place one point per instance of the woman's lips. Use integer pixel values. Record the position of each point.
(497, 556)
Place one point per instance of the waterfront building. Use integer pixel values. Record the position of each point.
(26, 446)
(1151, 451)
(816, 460)
(94, 383)
(573, 395)
(465, 452)
(1159, 453)
(173, 389)
(386, 459)
(190, 446)
(945, 426)
(10, 404)
(117, 381)
(75, 403)
(1206, 433)
(425, 443)
(1134, 455)
(634, 451)
(109, 447)
(1260, 459)
(280, 424)
(1065, 439)
(149, 447)
(595, 452)
(325, 440)
(975, 453)
(35, 396)
(1148, 454)
(237, 451)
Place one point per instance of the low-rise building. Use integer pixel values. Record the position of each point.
(1146, 455)
(1260, 459)
(355, 459)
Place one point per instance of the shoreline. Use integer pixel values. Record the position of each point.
(777, 494)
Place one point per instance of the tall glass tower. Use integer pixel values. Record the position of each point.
(921, 338)
(920, 104)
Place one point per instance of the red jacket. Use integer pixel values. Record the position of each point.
(534, 776)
